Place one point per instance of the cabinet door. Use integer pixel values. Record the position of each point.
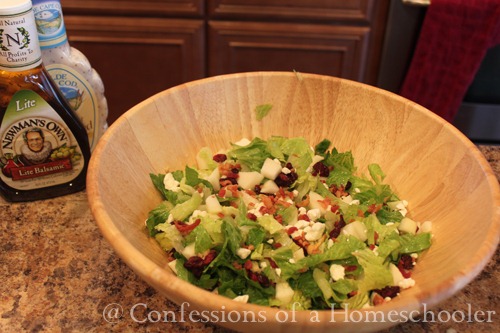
(322, 49)
(139, 57)
(170, 8)
(313, 10)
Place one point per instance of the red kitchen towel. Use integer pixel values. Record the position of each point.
(453, 41)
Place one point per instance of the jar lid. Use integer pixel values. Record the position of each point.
(9, 7)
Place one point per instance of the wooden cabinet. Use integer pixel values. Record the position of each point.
(142, 47)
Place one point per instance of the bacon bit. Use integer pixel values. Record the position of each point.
(277, 245)
(361, 213)
(184, 228)
(250, 247)
(222, 193)
(371, 246)
(373, 208)
(210, 257)
(267, 201)
(291, 230)
(237, 265)
(228, 169)
(251, 216)
(325, 203)
(279, 218)
(377, 299)
(283, 203)
(221, 215)
(375, 237)
(305, 202)
(352, 293)
(304, 217)
(301, 241)
(314, 248)
(334, 208)
(225, 182)
(251, 193)
(350, 268)
(338, 191)
(233, 189)
(219, 158)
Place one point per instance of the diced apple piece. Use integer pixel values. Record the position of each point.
(425, 227)
(396, 274)
(248, 180)
(172, 266)
(316, 202)
(356, 229)
(213, 179)
(269, 187)
(284, 292)
(213, 205)
(189, 251)
(408, 226)
(271, 168)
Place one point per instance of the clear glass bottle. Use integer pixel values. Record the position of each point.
(44, 149)
(71, 70)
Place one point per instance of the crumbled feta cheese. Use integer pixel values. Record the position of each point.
(278, 271)
(172, 265)
(337, 272)
(375, 250)
(314, 214)
(414, 255)
(387, 299)
(357, 190)
(329, 244)
(286, 171)
(243, 253)
(291, 261)
(170, 183)
(241, 299)
(270, 241)
(263, 264)
(301, 224)
(315, 232)
(170, 218)
(302, 211)
(295, 193)
(406, 283)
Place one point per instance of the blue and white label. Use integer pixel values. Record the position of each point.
(49, 23)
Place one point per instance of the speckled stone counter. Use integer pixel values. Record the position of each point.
(58, 274)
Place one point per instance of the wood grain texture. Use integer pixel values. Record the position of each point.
(427, 161)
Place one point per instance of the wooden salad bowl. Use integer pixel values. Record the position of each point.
(427, 161)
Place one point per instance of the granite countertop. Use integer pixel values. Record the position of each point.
(58, 274)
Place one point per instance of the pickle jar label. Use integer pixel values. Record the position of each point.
(38, 150)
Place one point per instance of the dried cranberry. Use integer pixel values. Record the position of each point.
(286, 179)
(337, 228)
(348, 186)
(319, 168)
(251, 216)
(272, 263)
(389, 291)
(184, 228)
(219, 158)
(405, 262)
(195, 265)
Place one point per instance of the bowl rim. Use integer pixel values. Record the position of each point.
(146, 268)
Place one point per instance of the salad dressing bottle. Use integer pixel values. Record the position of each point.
(44, 149)
(78, 81)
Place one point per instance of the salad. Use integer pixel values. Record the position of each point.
(280, 223)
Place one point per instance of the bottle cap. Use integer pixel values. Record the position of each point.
(8, 7)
